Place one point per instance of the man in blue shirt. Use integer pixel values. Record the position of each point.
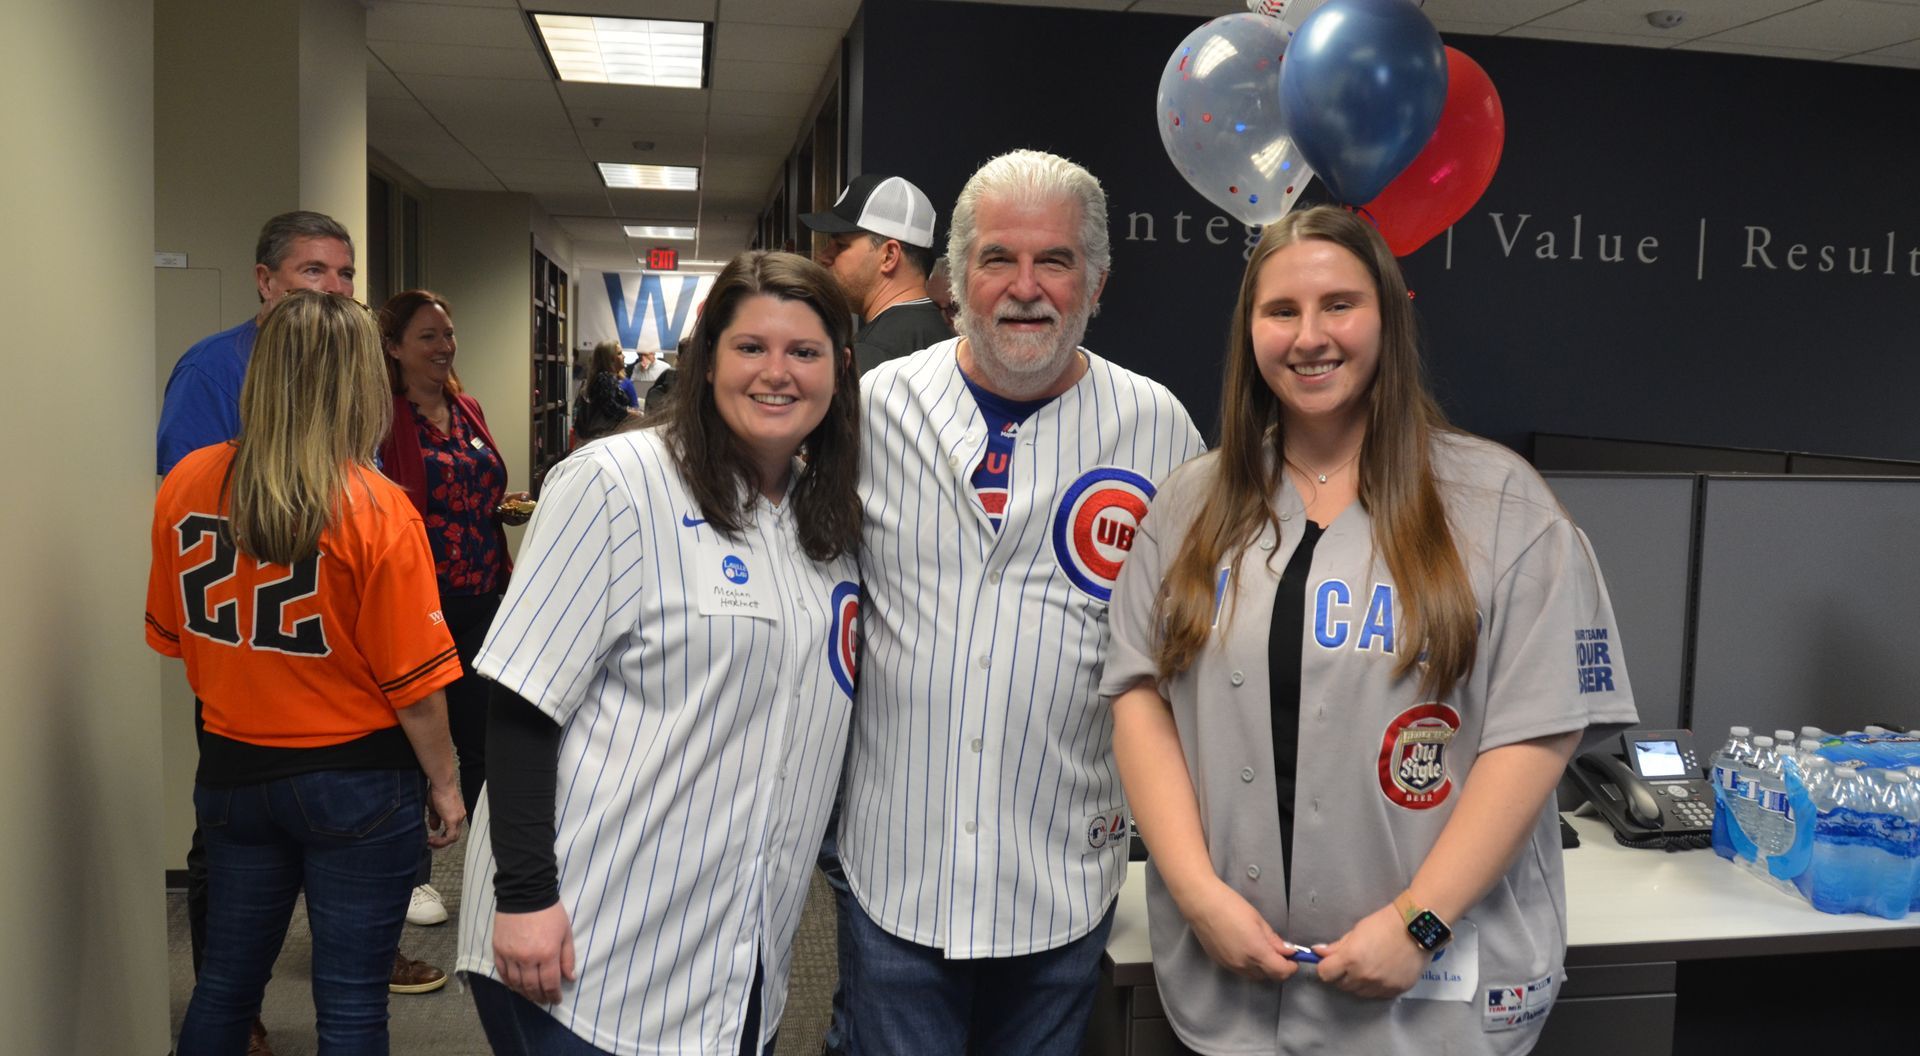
(298, 250)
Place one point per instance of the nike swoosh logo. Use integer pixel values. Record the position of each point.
(691, 521)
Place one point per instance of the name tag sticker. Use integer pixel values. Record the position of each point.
(478, 444)
(1106, 829)
(1454, 972)
(732, 580)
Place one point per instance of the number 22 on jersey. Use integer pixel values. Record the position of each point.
(220, 621)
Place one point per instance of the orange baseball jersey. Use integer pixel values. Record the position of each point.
(315, 654)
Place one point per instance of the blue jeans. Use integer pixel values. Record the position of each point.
(904, 999)
(350, 837)
(516, 1026)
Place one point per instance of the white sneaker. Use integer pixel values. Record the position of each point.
(426, 907)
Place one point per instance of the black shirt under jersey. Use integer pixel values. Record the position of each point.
(1286, 639)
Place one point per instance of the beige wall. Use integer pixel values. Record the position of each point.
(82, 912)
(480, 259)
(258, 108)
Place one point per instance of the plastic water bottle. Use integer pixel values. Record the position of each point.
(1913, 903)
(1814, 732)
(1784, 739)
(1818, 777)
(1892, 822)
(1774, 834)
(1745, 797)
(1837, 882)
(1726, 765)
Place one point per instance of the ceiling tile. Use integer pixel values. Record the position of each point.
(489, 27)
(538, 142)
(1832, 25)
(761, 104)
(384, 85)
(1629, 17)
(656, 125)
(460, 60)
(747, 42)
(1535, 31)
(676, 10)
(1883, 58)
(515, 95)
(597, 98)
(795, 77)
(824, 14)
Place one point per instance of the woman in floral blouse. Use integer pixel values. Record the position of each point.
(441, 452)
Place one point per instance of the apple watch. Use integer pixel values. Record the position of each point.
(1426, 927)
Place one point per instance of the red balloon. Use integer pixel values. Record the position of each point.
(1454, 168)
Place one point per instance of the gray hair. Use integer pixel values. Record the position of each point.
(280, 233)
(1030, 177)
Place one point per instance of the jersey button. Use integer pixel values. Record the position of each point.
(1253, 872)
(1286, 516)
(985, 661)
(971, 827)
(954, 462)
(976, 744)
(1236, 678)
(1246, 773)
(1266, 544)
(993, 577)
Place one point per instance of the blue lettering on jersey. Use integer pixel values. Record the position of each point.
(1331, 627)
(1379, 625)
(1330, 633)
(1593, 660)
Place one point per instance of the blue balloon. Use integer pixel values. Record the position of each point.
(1361, 90)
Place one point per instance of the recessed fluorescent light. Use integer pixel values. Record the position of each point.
(658, 231)
(651, 177)
(625, 50)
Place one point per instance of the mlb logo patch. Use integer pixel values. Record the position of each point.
(1505, 1008)
(1107, 829)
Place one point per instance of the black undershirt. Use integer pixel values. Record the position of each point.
(1285, 640)
(228, 763)
(523, 767)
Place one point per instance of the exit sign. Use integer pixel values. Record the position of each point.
(662, 258)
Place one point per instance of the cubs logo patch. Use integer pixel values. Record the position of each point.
(844, 638)
(1413, 756)
(1094, 527)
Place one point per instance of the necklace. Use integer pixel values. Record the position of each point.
(1322, 477)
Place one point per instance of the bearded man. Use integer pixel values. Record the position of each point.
(1004, 475)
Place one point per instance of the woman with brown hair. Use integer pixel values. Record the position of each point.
(1347, 670)
(441, 452)
(674, 666)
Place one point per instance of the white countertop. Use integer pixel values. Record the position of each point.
(1626, 905)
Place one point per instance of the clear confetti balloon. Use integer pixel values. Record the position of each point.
(1219, 117)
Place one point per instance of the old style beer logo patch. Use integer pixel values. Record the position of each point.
(1413, 756)
(1094, 527)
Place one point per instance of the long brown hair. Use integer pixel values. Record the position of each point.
(715, 465)
(395, 316)
(313, 408)
(1396, 487)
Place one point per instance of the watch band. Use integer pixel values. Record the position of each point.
(1407, 907)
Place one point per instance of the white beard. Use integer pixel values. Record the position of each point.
(1022, 366)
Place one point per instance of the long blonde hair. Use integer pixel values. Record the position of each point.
(313, 409)
(1396, 487)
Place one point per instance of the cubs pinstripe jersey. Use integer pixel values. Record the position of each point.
(983, 810)
(702, 686)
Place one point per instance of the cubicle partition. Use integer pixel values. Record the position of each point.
(1809, 604)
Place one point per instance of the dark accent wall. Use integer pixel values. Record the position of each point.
(1529, 329)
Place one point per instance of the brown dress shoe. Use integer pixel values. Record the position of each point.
(414, 977)
(257, 1039)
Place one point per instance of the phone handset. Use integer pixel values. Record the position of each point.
(1641, 805)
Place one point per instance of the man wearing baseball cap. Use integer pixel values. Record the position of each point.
(880, 248)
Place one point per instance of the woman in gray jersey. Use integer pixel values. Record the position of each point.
(1353, 649)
